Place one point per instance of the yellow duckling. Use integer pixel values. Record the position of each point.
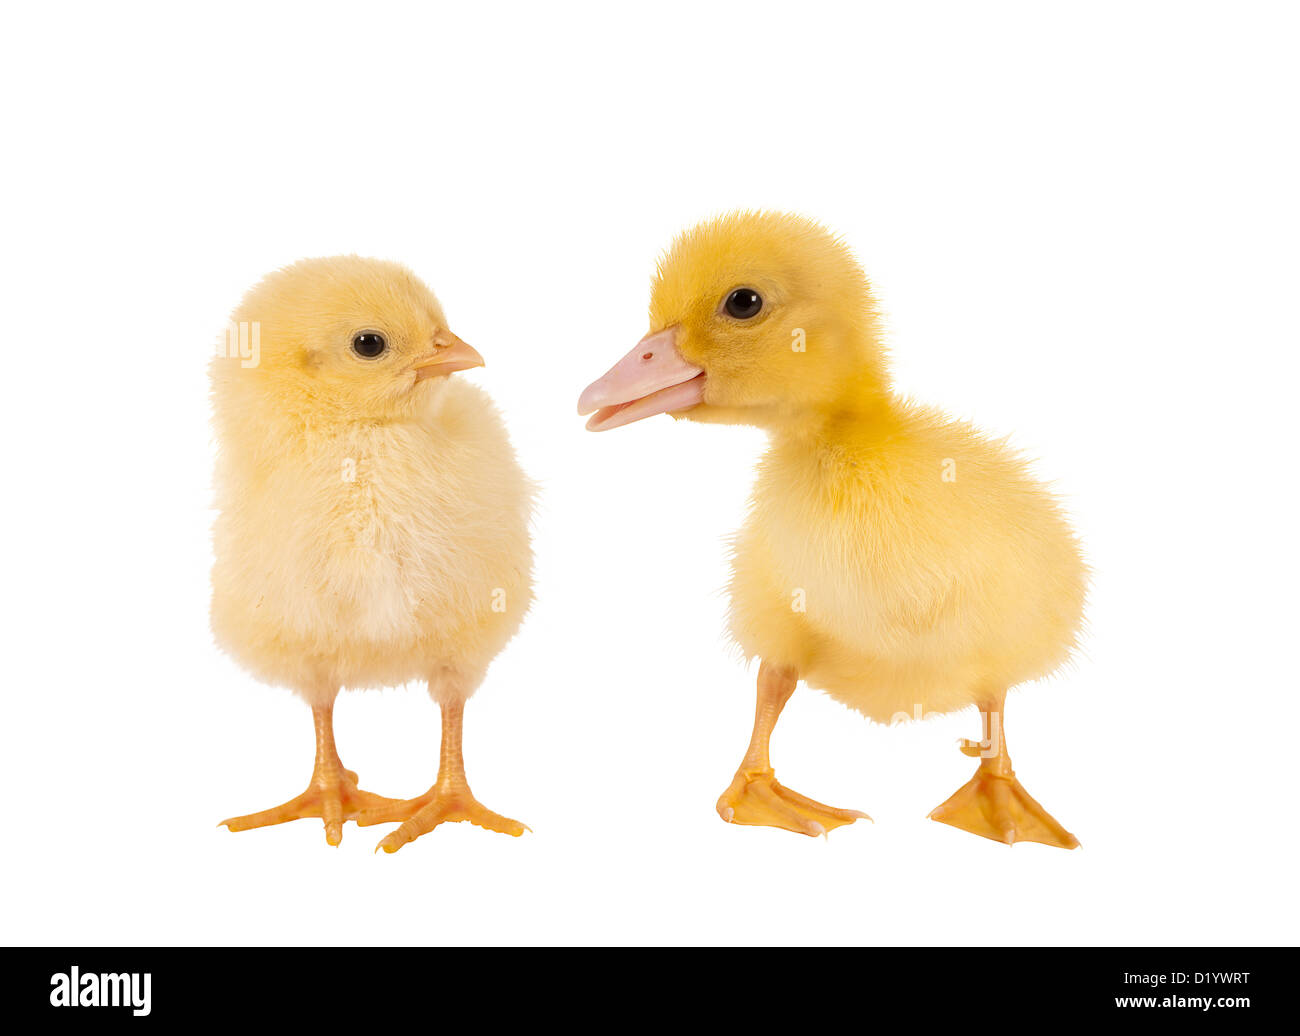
(891, 557)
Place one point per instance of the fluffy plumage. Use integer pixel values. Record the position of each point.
(911, 590)
(373, 521)
(896, 559)
(368, 524)
(931, 565)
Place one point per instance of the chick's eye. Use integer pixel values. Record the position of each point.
(369, 344)
(744, 303)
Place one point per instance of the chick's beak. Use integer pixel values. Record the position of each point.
(450, 354)
(654, 378)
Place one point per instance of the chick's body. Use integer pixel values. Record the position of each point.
(373, 520)
(371, 555)
(903, 563)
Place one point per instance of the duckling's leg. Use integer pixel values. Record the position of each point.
(754, 796)
(448, 800)
(333, 794)
(993, 803)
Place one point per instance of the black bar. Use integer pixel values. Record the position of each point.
(1218, 986)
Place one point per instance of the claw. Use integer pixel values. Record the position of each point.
(971, 748)
(757, 799)
(996, 806)
(437, 806)
(333, 801)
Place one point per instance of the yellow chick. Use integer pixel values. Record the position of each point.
(373, 522)
(894, 558)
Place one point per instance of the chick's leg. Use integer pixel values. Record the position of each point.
(333, 795)
(993, 803)
(448, 800)
(754, 796)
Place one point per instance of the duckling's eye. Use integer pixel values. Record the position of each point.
(369, 344)
(743, 303)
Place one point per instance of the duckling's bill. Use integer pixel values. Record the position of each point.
(654, 378)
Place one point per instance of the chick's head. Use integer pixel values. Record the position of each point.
(346, 337)
(756, 318)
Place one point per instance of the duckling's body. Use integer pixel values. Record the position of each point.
(896, 559)
(904, 564)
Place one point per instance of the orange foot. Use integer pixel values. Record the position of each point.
(439, 805)
(755, 797)
(997, 806)
(332, 798)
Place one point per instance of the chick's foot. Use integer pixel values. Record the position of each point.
(333, 798)
(756, 798)
(995, 805)
(439, 805)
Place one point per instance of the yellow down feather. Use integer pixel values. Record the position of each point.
(898, 560)
(372, 527)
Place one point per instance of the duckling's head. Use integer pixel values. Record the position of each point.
(343, 337)
(756, 318)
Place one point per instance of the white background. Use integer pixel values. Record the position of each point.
(1082, 223)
